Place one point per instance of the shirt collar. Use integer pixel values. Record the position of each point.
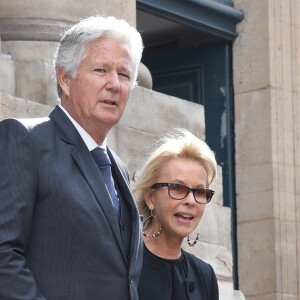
(88, 140)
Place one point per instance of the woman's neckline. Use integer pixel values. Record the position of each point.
(180, 258)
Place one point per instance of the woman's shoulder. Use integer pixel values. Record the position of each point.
(194, 259)
(198, 265)
(197, 268)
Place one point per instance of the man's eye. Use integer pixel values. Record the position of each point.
(99, 70)
(124, 75)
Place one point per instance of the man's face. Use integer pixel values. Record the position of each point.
(97, 97)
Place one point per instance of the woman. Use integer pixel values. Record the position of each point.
(172, 191)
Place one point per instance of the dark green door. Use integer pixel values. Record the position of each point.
(202, 74)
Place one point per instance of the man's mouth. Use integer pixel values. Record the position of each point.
(109, 102)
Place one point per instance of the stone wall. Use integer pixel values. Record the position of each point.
(267, 83)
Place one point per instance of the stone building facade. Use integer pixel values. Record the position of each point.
(266, 64)
(266, 76)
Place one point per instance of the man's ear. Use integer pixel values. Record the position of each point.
(64, 81)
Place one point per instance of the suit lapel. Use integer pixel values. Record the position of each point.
(122, 182)
(88, 167)
(92, 175)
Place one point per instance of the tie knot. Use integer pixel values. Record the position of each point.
(101, 157)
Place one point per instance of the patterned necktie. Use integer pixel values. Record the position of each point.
(104, 165)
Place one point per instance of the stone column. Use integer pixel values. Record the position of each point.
(30, 31)
(267, 80)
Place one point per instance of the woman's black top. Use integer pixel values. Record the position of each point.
(186, 278)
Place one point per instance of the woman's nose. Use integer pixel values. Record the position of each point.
(190, 199)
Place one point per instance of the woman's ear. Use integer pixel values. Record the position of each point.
(64, 81)
(148, 196)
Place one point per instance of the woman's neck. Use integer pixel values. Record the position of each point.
(164, 248)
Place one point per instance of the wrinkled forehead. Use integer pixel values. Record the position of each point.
(110, 47)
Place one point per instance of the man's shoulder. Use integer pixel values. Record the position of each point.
(27, 124)
(33, 122)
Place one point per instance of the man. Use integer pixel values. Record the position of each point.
(65, 231)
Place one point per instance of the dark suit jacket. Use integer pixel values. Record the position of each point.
(59, 234)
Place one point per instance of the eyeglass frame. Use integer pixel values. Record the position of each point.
(208, 192)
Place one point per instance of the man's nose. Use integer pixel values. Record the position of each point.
(113, 81)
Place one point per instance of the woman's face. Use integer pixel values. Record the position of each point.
(178, 218)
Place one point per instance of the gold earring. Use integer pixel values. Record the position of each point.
(192, 244)
(157, 233)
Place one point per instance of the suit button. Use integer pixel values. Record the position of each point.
(130, 280)
(123, 227)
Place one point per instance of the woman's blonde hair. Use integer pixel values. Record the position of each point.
(179, 143)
